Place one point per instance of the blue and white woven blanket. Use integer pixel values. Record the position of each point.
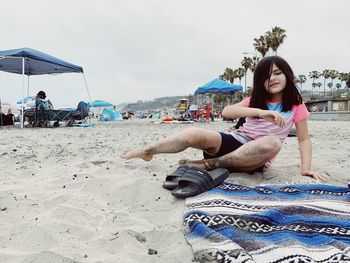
(296, 223)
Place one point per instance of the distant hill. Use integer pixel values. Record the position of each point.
(153, 105)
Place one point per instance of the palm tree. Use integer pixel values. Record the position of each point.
(260, 45)
(325, 74)
(314, 85)
(343, 77)
(239, 74)
(301, 79)
(228, 75)
(330, 85)
(275, 37)
(313, 75)
(255, 61)
(338, 85)
(319, 84)
(333, 74)
(246, 63)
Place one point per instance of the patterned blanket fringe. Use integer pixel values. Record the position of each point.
(222, 256)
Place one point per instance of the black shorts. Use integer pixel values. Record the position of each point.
(229, 144)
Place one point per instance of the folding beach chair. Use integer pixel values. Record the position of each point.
(80, 114)
(35, 117)
(40, 117)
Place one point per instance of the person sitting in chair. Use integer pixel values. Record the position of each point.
(37, 110)
(41, 102)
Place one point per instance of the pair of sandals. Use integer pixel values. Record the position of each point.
(188, 181)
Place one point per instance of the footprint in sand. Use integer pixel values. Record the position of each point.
(98, 162)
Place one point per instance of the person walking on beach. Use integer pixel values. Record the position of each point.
(274, 105)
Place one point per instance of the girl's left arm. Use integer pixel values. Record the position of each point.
(305, 149)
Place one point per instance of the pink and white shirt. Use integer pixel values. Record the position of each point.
(255, 128)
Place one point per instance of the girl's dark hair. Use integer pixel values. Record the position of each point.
(262, 73)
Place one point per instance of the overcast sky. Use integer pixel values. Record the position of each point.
(142, 49)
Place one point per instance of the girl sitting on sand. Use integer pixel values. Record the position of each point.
(275, 104)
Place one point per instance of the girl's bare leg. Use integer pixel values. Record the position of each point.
(198, 138)
(248, 157)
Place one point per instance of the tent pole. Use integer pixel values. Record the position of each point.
(87, 89)
(88, 92)
(22, 107)
(0, 114)
(28, 87)
(213, 106)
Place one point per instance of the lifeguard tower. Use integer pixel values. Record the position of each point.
(183, 104)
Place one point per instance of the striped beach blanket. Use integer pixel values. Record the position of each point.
(295, 223)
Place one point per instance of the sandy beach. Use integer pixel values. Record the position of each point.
(66, 196)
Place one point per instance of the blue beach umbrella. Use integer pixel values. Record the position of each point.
(25, 100)
(100, 103)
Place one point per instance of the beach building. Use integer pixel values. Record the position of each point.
(335, 109)
(328, 105)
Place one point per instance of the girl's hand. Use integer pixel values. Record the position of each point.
(272, 116)
(322, 177)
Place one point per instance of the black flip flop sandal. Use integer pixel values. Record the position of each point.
(196, 181)
(171, 181)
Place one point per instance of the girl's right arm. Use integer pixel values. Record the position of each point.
(240, 110)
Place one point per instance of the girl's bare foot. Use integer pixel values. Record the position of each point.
(144, 155)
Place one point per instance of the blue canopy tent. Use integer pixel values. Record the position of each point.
(27, 61)
(219, 86)
(35, 63)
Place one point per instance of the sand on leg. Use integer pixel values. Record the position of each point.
(202, 139)
(248, 157)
